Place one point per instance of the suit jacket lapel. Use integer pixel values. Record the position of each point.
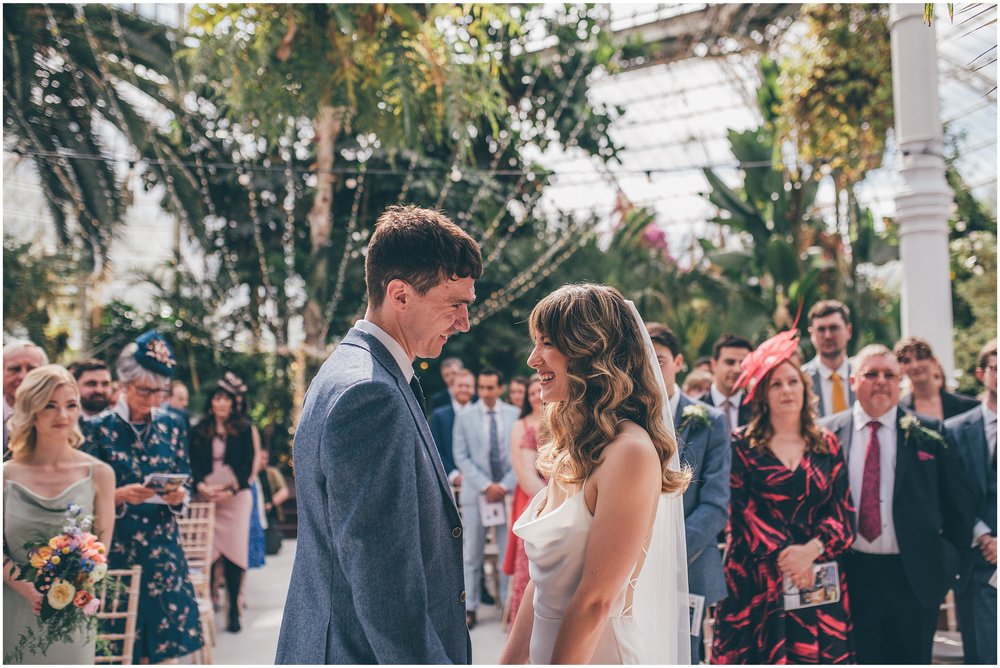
(846, 436)
(818, 386)
(903, 455)
(850, 390)
(976, 433)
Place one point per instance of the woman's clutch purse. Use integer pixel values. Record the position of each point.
(222, 477)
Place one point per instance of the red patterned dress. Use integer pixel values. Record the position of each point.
(772, 508)
(515, 562)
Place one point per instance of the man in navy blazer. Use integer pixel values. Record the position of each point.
(728, 352)
(830, 371)
(443, 422)
(704, 446)
(975, 433)
(913, 515)
(378, 568)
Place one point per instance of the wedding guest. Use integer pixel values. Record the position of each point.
(46, 474)
(727, 354)
(449, 367)
(913, 515)
(975, 433)
(480, 443)
(443, 422)
(697, 383)
(790, 510)
(222, 460)
(93, 377)
(177, 402)
(703, 364)
(274, 492)
(830, 331)
(517, 390)
(19, 359)
(138, 439)
(916, 360)
(523, 455)
(704, 444)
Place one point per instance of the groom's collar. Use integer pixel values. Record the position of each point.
(390, 344)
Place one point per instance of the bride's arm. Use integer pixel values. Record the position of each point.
(628, 484)
(518, 642)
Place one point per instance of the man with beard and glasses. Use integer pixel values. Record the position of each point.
(93, 377)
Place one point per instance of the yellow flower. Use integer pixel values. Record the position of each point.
(55, 559)
(40, 556)
(61, 594)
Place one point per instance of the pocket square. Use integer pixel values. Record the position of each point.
(925, 456)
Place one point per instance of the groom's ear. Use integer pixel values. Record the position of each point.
(397, 292)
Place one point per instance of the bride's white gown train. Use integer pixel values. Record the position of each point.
(555, 544)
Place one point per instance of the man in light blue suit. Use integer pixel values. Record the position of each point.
(830, 371)
(378, 568)
(704, 446)
(975, 433)
(481, 445)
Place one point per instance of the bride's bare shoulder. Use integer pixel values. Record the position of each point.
(630, 446)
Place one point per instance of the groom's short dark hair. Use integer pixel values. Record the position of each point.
(420, 246)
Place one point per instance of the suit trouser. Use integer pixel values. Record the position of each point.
(976, 606)
(473, 545)
(891, 626)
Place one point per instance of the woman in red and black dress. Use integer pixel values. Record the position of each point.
(790, 508)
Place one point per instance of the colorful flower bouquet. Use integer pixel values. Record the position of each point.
(65, 570)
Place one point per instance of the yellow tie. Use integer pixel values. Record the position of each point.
(839, 403)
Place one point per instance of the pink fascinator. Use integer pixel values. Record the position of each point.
(768, 355)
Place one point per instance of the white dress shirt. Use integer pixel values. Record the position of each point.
(396, 350)
(484, 412)
(718, 398)
(826, 384)
(886, 543)
(675, 400)
(990, 425)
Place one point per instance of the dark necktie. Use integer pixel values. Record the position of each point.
(870, 514)
(418, 392)
(496, 464)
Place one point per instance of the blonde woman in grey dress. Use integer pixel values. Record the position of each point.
(45, 475)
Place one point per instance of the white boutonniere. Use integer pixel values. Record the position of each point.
(694, 415)
(912, 428)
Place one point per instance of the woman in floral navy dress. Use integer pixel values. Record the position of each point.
(790, 509)
(137, 439)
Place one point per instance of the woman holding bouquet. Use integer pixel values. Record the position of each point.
(46, 474)
(139, 439)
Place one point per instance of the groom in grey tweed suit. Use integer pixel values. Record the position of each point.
(378, 568)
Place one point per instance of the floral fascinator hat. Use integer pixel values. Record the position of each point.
(233, 384)
(154, 354)
(768, 355)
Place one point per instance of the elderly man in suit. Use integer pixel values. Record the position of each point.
(727, 354)
(443, 422)
(830, 330)
(913, 512)
(975, 433)
(482, 453)
(704, 444)
(377, 576)
(19, 357)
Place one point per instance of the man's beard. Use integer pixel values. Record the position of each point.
(95, 404)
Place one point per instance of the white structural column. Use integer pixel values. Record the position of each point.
(924, 199)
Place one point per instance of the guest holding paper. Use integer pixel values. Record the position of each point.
(137, 439)
(790, 509)
(222, 458)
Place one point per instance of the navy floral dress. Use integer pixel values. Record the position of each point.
(147, 534)
(770, 509)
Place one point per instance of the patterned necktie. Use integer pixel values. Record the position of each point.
(870, 514)
(839, 403)
(496, 464)
(727, 406)
(418, 392)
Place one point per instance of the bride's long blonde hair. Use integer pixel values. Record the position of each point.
(610, 380)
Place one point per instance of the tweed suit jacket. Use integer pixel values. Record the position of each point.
(706, 450)
(968, 432)
(378, 574)
(472, 452)
(931, 508)
(811, 369)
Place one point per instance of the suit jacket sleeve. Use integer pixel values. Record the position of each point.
(836, 521)
(708, 519)
(957, 509)
(371, 489)
(472, 475)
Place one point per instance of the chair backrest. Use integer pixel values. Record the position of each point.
(197, 528)
(118, 614)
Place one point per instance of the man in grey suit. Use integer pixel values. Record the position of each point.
(378, 568)
(830, 330)
(704, 445)
(481, 445)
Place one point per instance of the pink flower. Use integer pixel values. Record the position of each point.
(92, 607)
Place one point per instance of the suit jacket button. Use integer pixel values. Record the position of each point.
(456, 532)
(462, 597)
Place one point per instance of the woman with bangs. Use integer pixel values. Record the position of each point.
(790, 509)
(46, 474)
(605, 537)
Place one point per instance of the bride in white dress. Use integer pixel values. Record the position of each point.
(605, 539)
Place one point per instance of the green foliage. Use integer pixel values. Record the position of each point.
(974, 299)
(29, 287)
